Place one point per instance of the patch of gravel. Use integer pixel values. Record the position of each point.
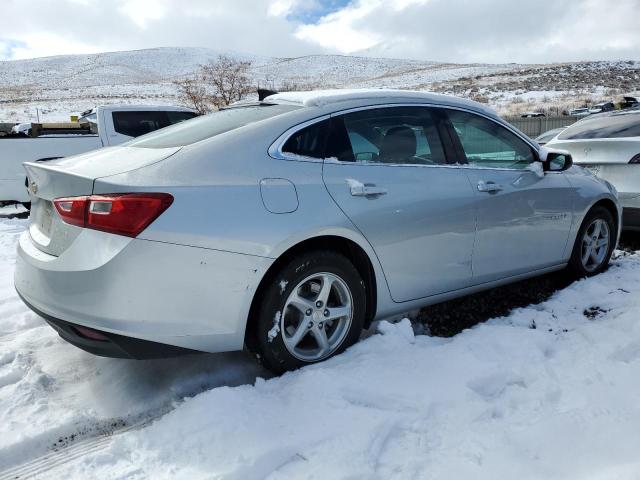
(450, 318)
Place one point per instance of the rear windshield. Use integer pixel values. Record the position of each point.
(610, 126)
(201, 128)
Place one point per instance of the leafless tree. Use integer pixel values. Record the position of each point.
(193, 94)
(215, 85)
(228, 79)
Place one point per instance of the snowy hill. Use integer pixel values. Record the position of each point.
(70, 83)
(62, 84)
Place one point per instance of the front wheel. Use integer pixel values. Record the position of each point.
(594, 244)
(313, 309)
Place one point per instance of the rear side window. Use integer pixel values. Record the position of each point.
(395, 135)
(610, 126)
(309, 141)
(177, 117)
(135, 124)
(207, 126)
(488, 144)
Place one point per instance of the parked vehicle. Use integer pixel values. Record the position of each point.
(532, 114)
(5, 128)
(290, 224)
(100, 127)
(548, 135)
(628, 102)
(579, 112)
(602, 107)
(608, 144)
(21, 129)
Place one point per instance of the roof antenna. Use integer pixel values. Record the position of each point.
(264, 93)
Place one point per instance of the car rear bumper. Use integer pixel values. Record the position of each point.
(115, 346)
(173, 295)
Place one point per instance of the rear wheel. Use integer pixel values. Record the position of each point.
(313, 309)
(594, 244)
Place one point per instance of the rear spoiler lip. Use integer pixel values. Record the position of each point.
(75, 185)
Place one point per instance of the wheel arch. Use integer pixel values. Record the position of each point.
(610, 205)
(345, 246)
(604, 202)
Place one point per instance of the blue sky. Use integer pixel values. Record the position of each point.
(312, 13)
(9, 46)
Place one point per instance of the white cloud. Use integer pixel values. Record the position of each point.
(48, 44)
(142, 12)
(444, 30)
(337, 30)
(281, 8)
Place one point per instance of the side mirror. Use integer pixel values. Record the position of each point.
(555, 160)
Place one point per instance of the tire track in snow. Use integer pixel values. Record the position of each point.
(76, 449)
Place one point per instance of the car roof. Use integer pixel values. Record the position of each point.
(352, 98)
(613, 113)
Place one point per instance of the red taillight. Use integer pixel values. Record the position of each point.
(72, 210)
(123, 214)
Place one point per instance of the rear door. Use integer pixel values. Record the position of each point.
(388, 172)
(523, 216)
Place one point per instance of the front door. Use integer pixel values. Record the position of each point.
(523, 214)
(388, 172)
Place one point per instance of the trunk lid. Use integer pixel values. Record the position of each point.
(72, 177)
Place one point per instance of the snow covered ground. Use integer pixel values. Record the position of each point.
(549, 392)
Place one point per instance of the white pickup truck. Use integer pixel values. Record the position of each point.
(101, 127)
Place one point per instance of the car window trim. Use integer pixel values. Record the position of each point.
(459, 149)
(275, 149)
(437, 118)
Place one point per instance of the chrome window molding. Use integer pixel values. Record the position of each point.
(275, 150)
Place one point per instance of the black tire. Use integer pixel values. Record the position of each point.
(267, 343)
(575, 263)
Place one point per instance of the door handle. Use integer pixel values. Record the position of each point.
(361, 190)
(489, 186)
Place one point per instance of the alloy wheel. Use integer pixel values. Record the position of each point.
(595, 245)
(317, 316)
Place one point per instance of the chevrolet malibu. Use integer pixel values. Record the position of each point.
(290, 224)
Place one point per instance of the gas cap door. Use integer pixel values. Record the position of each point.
(278, 195)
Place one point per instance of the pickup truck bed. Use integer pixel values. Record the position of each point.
(16, 150)
(101, 127)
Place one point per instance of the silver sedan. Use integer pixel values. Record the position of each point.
(290, 224)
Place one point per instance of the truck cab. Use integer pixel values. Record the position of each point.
(103, 126)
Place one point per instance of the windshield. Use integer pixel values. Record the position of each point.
(201, 128)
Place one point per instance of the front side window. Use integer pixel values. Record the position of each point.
(396, 135)
(487, 144)
(610, 126)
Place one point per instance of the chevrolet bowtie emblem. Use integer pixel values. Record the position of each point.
(33, 188)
